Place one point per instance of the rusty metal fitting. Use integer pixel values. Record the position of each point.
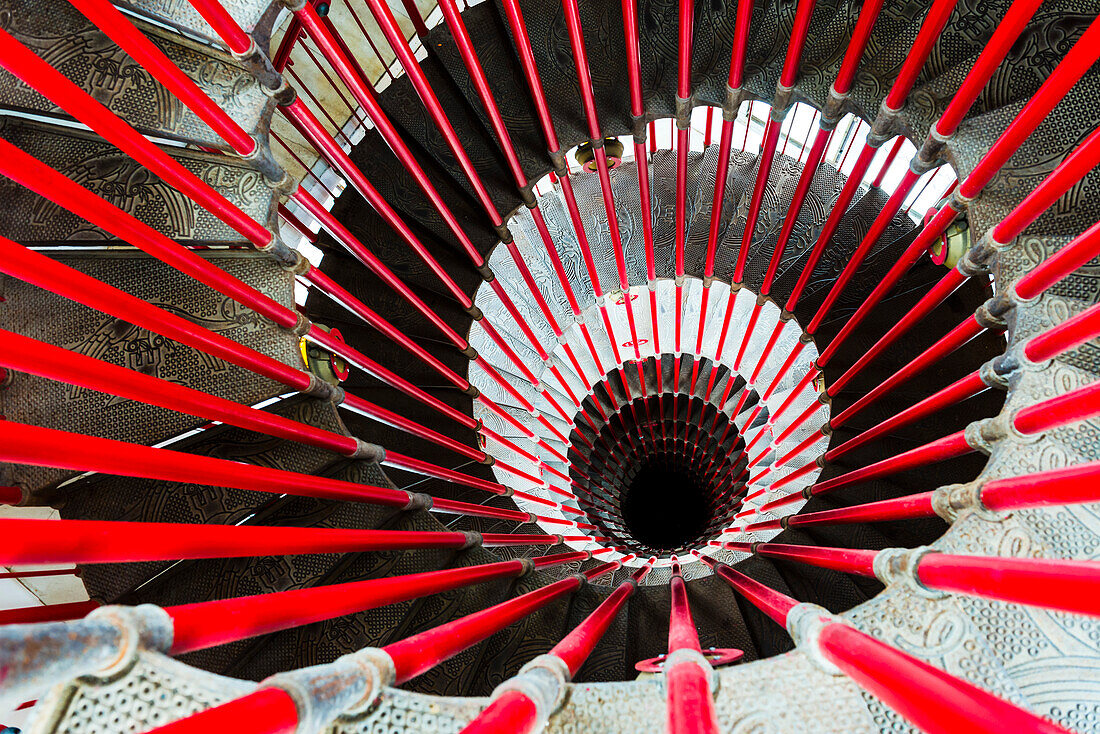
(299, 266)
(976, 260)
(732, 103)
(929, 156)
(834, 109)
(804, 624)
(683, 112)
(987, 319)
(418, 501)
(344, 687)
(781, 102)
(319, 389)
(544, 681)
(274, 85)
(953, 500)
(983, 435)
(264, 161)
(283, 254)
(486, 273)
(998, 371)
(686, 655)
(557, 162)
(104, 643)
(899, 566)
(884, 126)
(368, 451)
(301, 326)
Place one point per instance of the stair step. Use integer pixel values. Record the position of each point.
(101, 168)
(492, 43)
(254, 17)
(84, 54)
(38, 401)
(405, 109)
(102, 497)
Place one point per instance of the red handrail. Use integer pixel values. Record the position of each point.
(112, 22)
(928, 697)
(47, 612)
(37, 269)
(311, 129)
(513, 711)
(933, 700)
(39, 75)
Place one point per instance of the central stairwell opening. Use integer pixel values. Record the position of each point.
(665, 507)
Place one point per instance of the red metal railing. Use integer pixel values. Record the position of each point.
(206, 624)
(1075, 63)
(1051, 584)
(938, 703)
(513, 710)
(931, 699)
(409, 658)
(690, 705)
(1075, 405)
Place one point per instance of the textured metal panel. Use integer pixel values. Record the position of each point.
(255, 16)
(58, 33)
(151, 693)
(103, 169)
(57, 405)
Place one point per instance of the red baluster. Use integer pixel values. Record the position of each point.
(94, 541)
(512, 710)
(687, 677)
(206, 624)
(1076, 62)
(928, 697)
(47, 612)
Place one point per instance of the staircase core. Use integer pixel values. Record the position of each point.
(666, 506)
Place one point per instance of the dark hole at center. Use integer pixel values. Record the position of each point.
(665, 507)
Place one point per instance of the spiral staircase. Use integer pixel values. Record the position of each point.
(458, 276)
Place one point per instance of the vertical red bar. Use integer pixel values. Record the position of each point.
(690, 706)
